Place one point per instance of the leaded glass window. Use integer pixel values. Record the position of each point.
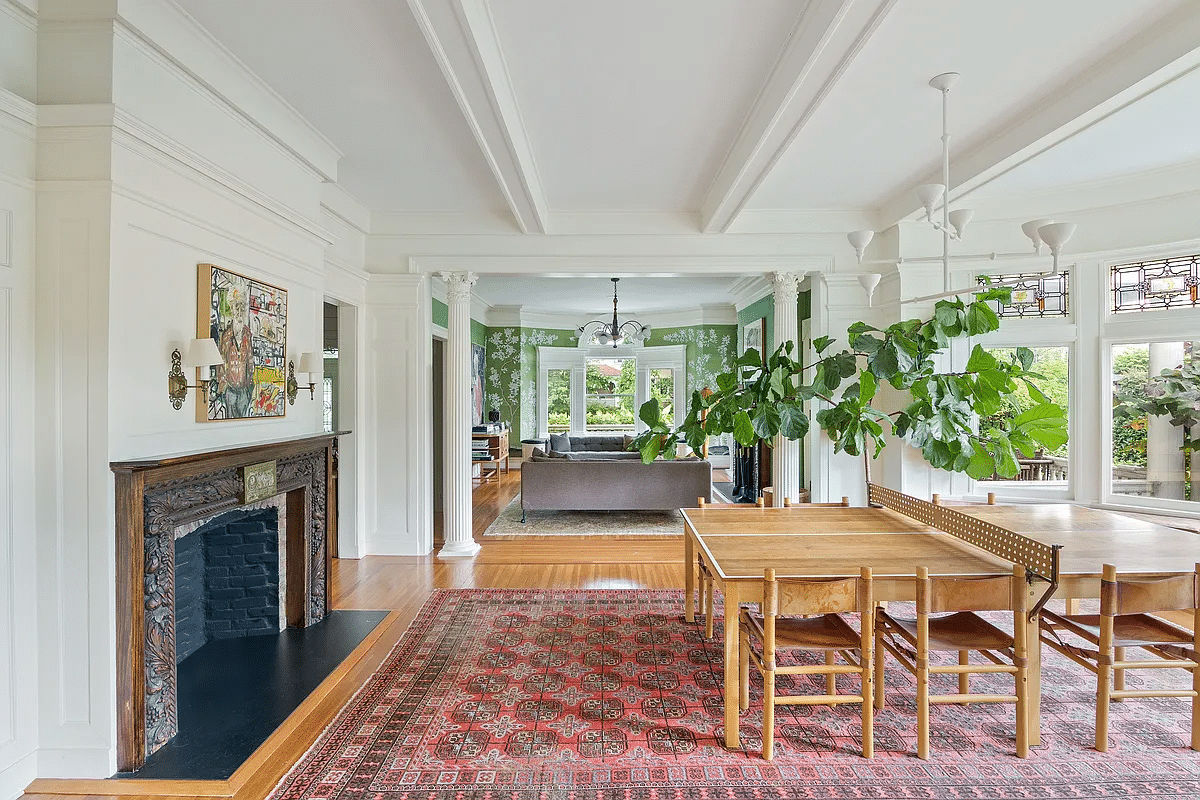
(1160, 284)
(1034, 296)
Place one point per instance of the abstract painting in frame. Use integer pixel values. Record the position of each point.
(248, 320)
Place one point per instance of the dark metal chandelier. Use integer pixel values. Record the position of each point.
(615, 333)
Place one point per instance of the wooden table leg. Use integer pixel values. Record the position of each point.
(1033, 645)
(732, 675)
(689, 577)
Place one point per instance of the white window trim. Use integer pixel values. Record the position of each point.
(1062, 334)
(1109, 499)
(575, 359)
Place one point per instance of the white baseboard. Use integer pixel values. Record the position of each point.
(83, 762)
(14, 778)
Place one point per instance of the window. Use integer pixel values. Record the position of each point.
(662, 387)
(610, 394)
(1155, 419)
(1160, 284)
(1034, 296)
(1054, 364)
(559, 400)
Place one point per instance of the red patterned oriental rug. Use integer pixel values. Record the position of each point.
(592, 695)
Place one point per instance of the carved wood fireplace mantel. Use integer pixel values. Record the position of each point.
(157, 495)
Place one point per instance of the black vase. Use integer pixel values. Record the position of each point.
(494, 415)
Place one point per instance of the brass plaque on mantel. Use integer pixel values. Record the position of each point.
(258, 482)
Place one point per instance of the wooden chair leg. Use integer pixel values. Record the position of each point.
(1021, 677)
(1118, 674)
(879, 688)
(868, 710)
(744, 678)
(922, 713)
(964, 679)
(1103, 687)
(830, 678)
(1196, 708)
(768, 728)
(708, 609)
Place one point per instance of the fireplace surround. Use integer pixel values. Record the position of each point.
(155, 497)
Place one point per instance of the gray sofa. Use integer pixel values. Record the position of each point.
(568, 484)
(591, 446)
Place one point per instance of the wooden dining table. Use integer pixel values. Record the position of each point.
(737, 544)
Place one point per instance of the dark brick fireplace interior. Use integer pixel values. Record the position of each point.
(227, 580)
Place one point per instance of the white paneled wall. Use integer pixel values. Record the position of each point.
(18, 582)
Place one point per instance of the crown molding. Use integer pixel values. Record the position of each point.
(619, 265)
(346, 207)
(23, 11)
(174, 39)
(17, 109)
(750, 289)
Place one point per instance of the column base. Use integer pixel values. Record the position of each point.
(459, 549)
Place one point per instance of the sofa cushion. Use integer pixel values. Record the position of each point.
(609, 442)
(602, 455)
(560, 442)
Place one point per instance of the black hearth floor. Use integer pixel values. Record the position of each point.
(234, 693)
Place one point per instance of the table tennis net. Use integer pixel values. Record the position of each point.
(1039, 558)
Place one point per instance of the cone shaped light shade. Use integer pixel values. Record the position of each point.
(1056, 234)
(1030, 229)
(202, 353)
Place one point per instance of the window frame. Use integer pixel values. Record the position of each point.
(1108, 498)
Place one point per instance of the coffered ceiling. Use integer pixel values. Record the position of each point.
(720, 116)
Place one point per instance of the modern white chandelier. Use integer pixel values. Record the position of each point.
(953, 224)
(614, 333)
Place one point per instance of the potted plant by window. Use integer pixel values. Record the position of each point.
(936, 412)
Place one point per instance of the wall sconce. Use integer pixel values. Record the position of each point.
(308, 366)
(200, 353)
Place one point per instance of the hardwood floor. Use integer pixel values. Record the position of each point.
(402, 584)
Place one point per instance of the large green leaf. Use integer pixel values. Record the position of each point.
(980, 360)
(743, 429)
(765, 421)
(650, 413)
(793, 422)
(981, 319)
(981, 464)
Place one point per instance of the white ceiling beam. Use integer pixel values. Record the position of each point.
(464, 42)
(826, 38)
(1163, 52)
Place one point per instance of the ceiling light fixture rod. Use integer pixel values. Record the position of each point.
(614, 332)
(953, 223)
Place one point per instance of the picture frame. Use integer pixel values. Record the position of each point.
(247, 318)
(754, 335)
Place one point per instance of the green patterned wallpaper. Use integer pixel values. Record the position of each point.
(440, 313)
(711, 350)
(511, 374)
(763, 307)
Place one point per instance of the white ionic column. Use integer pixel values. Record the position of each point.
(456, 472)
(785, 455)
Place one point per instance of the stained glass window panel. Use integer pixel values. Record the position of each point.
(1034, 296)
(1153, 285)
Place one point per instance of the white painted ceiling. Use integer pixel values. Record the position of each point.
(567, 114)
(591, 298)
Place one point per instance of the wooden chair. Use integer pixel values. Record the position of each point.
(764, 635)
(911, 641)
(704, 598)
(1125, 621)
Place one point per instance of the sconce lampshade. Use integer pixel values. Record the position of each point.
(202, 353)
(308, 364)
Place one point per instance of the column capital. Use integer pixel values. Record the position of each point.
(787, 285)
(458, 285)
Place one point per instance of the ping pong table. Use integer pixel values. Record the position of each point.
(1063, 547)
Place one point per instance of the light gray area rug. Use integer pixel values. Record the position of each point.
(583, 523)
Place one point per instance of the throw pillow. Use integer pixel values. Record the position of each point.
(554, 454)
(560, 442)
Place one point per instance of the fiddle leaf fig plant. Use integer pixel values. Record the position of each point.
(938, 412)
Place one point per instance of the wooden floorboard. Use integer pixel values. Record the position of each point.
(402, 584)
